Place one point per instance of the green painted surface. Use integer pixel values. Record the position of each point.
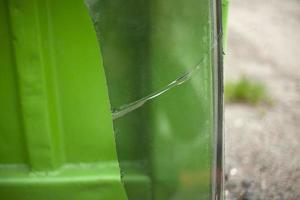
(225, 9)
(56, 134)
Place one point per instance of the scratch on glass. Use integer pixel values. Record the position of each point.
(127, 108)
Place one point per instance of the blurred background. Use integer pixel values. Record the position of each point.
(262, 93)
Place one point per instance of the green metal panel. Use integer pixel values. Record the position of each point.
(56, 135)
(225, 8)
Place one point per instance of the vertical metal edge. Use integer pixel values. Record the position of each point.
(218, 161)
(220, 141)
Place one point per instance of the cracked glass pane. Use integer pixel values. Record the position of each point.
(160, 64)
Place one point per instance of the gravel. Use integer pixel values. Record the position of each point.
(262, 152)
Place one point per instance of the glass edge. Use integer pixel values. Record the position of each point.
(218, 137)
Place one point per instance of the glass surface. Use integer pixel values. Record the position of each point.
(159, 59)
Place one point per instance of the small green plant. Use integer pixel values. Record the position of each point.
(246, 91)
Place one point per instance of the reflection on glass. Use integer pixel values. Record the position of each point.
(150, 48)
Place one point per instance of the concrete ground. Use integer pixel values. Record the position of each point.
(262, 145)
